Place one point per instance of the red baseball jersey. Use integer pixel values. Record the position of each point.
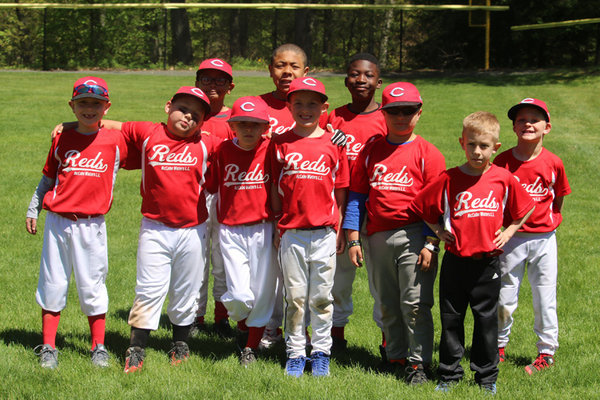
(359, 128)
(84, 168)
(172, 173)
(472, 207)
(306, 172)
(281, 119)
(217, 125)
(543, 178)
(392, 175)
(243, 182)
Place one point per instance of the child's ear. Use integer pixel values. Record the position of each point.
(497, 146)
(168, 107)
(379, 83)
(462, 142)
(72, 105)
(305, 71)
(548, 127)
(108, 104)
(346, 81)
(325, 108)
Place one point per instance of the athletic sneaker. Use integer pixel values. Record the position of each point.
(134, 359)
(295, 366)
(270, 338)
(100, 356)
(247, 357)
(501, 354)
(338, 345)
(223, 329)
(489, 388)
(48, 356)
(320, 364)
(179, 353)
(415, 375)
(542, 361)
(445, 387)
(383, 353)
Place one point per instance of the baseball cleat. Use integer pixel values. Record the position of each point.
(48, 356)
(543, 361)
(445, 387)
(320, 364)
(501, 354)
(415, 375)
(338, 345)
(134, 359)
(270, 338)
(100, 356)
(247, 357)
(223, 329)
(295, 366)
(488, 388)
(179, 353)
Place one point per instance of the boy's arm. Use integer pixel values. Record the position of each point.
(503, 236)
(440, 232)
(35, 205)
(106, 123)
(557, 204)
(355, 249)
(340, 199)
(355, 210)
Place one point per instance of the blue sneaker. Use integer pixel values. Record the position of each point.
(489, 388)
(444, 387)
(320, 364)
(295, 366)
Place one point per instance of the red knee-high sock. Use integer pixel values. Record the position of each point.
(337, 332)
(50, 322)
(241, 325)
(97, 329)
(220, 311)
(254, 336)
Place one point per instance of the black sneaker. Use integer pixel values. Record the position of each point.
(179, 353)
(223, 329)
(415, 375)
(338, 345)
(247, 357)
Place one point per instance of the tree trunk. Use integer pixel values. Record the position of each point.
(181, 40)
(385, 38)
(302, 34)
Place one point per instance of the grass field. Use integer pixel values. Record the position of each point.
(33, 102)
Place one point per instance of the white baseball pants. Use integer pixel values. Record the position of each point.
(538, 253)
(250, 272)
(77, 247)
(307, 259)
(169, 261)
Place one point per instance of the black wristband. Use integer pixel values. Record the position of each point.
(353, 243)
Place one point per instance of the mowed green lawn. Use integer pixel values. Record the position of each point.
(33, 102)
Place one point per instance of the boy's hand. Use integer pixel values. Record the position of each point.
(31, 225)
(356, 256)
(502, 237)
(426, 259)
(340, 242)
(58, 129)
(276, 238)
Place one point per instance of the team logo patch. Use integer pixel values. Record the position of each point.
(397, 92)
(528, 100)
(248, 106)
(217, 63)
(309, 82)
(90, 82)
(197, 92)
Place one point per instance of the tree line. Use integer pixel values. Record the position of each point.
(402, 40)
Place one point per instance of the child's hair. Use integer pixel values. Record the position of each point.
(481, 123)
(290, 47)
(363, 56)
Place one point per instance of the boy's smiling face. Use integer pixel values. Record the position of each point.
(186, 115)
(89, 112)
(306, 108)
(215, 84)
(530, 124)
(286, 66)
(362, 80)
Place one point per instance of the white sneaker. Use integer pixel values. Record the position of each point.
(270, 338)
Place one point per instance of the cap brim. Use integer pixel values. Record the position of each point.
(402, 104)
(243, 118)
(512, 113)
(323, 96)
(90, 95)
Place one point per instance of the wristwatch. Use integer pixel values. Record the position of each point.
(431, 247)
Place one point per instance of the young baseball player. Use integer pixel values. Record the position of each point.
(76, 189)
(172, 243)
(472, 200)
(310, 179)
(360, 120)
(387, 175)
(543, 176)
(215, 77)
(240, 175)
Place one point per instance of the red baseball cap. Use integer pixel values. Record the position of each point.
(512, 113)
(249, 108)
(197, 93)
(218, 64)
(90, 86)
(307, 84)
(401, 94)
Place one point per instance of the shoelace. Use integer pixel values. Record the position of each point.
(135, 358)
(296, 363)
(319, 362)
(44, 352)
